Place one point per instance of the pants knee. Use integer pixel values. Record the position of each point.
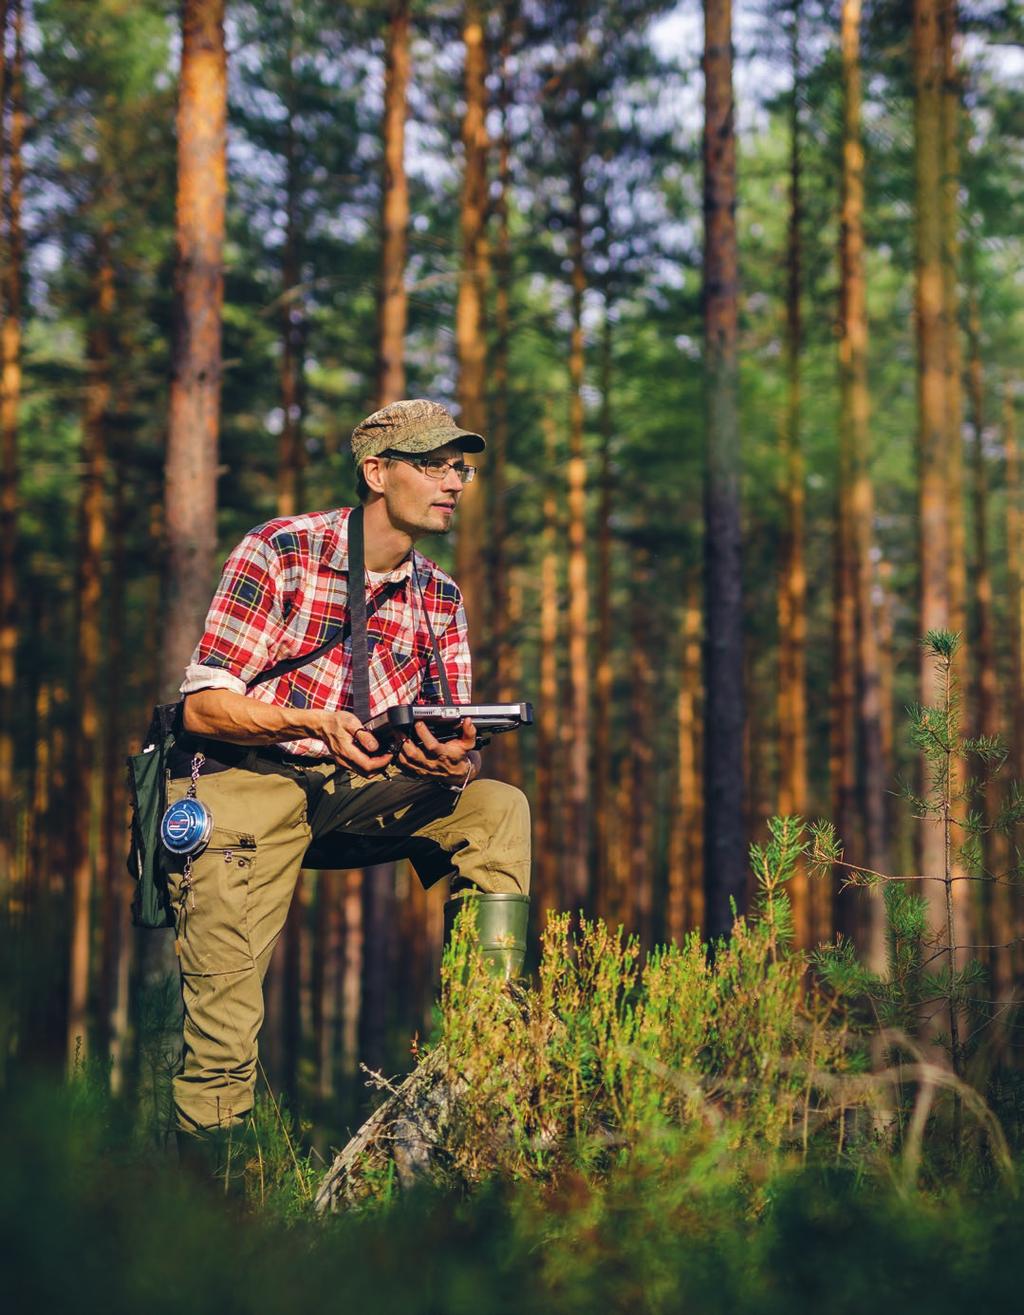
(506, 806)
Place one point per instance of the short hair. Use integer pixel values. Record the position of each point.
(362, 488)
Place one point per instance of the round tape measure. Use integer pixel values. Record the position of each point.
(185, 827)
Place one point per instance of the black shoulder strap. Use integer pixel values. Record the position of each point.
(357, 614)
(360, 660)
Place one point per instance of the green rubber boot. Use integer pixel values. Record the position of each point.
(500, 928)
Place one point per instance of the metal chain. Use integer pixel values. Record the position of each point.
(187, 882)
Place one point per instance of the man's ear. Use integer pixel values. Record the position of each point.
(373, 473)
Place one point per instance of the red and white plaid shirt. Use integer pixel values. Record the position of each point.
(285, 589)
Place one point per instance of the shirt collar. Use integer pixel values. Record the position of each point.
(337, 554)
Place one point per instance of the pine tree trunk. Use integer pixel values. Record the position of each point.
(1014, 582)
(328, 944)
(352, 973)
(1015, 596)
(949, 220)
(12, 124)
(291, 452)
(470, 340)
(641, 751)
(378, 963)
(191, 470)
(194, 413)
(392, 308)
(113, 815)
(998, 922)
(603, 672)
(855, 437)
(500, 630)
(547, 848)
(933, 542)
(88, 630)
(576, 854)
(725, 872)
(685, 904)
(792, 597)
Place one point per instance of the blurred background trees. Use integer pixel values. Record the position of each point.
(747, 349)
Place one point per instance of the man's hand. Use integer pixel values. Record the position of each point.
(224, 715)
(349, 743)
(449, 761)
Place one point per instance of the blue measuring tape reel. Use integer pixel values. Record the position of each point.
(186, 826)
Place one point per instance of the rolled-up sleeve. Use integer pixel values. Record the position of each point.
(244, 623)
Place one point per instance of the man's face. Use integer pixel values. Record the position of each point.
(416, 503)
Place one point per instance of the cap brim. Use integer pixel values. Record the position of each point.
(426, 440)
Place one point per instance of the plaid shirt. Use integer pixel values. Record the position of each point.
(285, 589)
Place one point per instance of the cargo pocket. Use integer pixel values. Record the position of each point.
(212, 915)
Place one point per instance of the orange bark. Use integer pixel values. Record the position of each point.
(13, 124)
(575, 862)
(603, 673)
(855, 438)
(547, 846)
(191, 468)
(89, 598)
(685, 905)
(933, 543)
(725, 869)
(792, 594)
(470, 341)
(291, 452)
(998, 921)
(392, 304)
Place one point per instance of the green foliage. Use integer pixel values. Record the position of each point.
(85, 1224)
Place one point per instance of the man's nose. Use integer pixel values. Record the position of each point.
(451, 482)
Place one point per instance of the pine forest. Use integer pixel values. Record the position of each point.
(735, 292)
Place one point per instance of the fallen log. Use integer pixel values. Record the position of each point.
(406, 1131)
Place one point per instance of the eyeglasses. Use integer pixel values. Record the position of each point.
(433, 469)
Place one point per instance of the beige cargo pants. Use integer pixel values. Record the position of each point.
(271, 819)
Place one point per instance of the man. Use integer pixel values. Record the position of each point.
(282, 764)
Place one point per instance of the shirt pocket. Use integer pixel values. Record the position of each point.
(398, 667)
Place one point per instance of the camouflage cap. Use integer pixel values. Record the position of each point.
(415, 425)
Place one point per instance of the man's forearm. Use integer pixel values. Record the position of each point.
(224, 715)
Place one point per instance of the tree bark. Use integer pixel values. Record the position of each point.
(641, 752)
(470, 341)
(88, 631)
(933, 537)
(855, 438)
(392, 303)
(685, 902)
(499, 624)
(792, 595)
(352, 973)
(191, 468)
(603, 663)
(12, 125)
(576, 854)
(949, 214)
(998, 906)
(725, 849)
(190, 499)
(291, 453)
(547, 860)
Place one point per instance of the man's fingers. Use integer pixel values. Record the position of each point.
(366, 739)
(426, 736)
(354, 757)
